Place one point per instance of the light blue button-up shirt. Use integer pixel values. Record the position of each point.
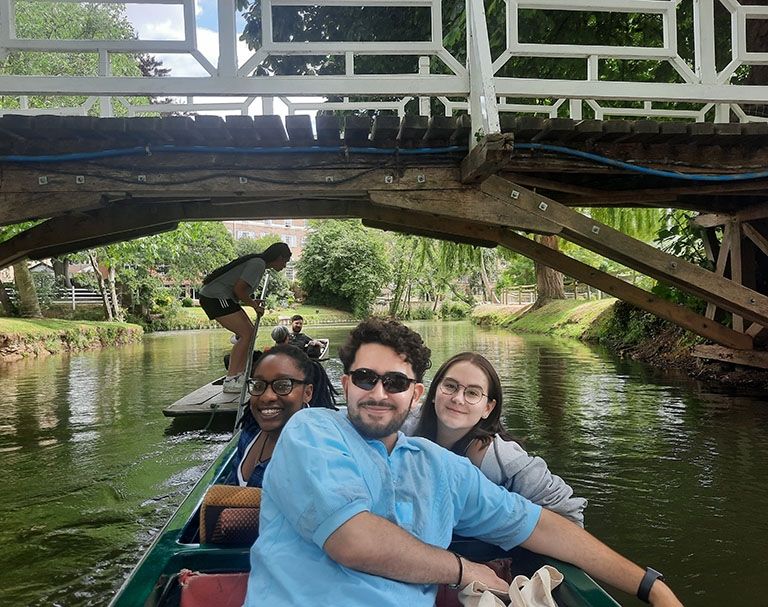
(323, 472)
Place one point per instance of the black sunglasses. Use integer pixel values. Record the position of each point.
(392, 381)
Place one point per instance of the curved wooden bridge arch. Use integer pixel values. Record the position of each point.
(254, 169)
(510, 156)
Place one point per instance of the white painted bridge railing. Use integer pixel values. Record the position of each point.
(474, 85)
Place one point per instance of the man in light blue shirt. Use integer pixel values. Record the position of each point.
(355, 513)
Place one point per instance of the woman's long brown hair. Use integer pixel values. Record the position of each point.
(485, 429)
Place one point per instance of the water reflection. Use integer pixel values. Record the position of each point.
(91, 469)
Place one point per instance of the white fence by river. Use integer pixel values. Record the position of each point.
(72, 296)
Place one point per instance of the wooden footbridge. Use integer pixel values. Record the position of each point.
(492, 176)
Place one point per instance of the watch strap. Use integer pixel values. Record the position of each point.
(644, 590)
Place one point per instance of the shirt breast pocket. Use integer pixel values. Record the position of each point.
(404, 513)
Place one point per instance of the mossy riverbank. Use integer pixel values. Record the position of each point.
(624, 330)
(28, 337)
(32, 337)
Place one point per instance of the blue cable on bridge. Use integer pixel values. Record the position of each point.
(637, 168)
(199, 149)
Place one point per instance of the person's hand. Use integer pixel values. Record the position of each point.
(662, 596)
(477, 572)
(258, 306)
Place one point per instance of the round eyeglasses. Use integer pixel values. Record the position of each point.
(281, 387)
(472, 394)
(393, 382)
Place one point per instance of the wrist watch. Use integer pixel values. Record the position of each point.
(644, 590)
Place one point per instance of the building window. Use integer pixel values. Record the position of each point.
(288, 223)
(244, 234)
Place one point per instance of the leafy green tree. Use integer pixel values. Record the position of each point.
(343, 265)
(70, 20)
(245, 246)
(138, 270)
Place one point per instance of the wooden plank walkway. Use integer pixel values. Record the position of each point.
(204, 401)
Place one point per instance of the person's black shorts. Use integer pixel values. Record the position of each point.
(214, 308)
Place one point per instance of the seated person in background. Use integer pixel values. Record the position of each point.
(280, 385)
(298, 339)
(312, 347)
(462, 412)
(357, 513)
(280, 335)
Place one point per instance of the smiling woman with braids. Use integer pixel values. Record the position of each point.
(280, 385)
(462, 412)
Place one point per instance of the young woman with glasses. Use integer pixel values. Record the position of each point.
(462, 412)
(280, 385)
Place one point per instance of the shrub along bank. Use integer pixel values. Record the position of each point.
(23, 337)
(626, 331)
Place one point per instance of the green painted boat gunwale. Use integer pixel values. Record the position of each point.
(167, 550)
(167, 555)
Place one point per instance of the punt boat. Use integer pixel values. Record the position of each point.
(209, 399)
(155, 580)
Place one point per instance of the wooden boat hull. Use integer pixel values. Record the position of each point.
(176, 547)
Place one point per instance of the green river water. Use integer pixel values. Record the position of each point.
(674, 472)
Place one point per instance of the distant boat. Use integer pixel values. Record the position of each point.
(210, 399)
(155, 581)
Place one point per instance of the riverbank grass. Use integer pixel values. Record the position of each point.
(565, 318)
(195, 318)
(22, 337)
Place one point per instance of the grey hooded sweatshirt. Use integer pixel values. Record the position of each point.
(506, 463)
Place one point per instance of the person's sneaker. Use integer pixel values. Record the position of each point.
(234, 384)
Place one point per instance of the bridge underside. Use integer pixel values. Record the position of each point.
(107, 180)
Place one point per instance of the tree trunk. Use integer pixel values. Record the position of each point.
(490, 294)
(118, 313)
(549, 282)
(61, 271)
(29, 306)
(102, 286)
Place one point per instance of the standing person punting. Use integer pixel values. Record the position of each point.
(228, 286)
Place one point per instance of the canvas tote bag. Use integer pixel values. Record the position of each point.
(523, 592)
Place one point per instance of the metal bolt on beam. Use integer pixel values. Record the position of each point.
(142, 178)
(80, 179)
(329, 179)
(42, 180)
(595, 229)
(389, 179)
(515, 194)
(543, 206)
(421, 179)
(243, 180)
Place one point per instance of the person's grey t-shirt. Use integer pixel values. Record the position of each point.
(222, 287)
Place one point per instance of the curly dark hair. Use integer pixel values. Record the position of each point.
(390, 333)
(485, 429)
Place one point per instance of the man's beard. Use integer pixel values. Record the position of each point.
(377, 431)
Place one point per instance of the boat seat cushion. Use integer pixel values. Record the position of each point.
(230, 515)
(212, 589)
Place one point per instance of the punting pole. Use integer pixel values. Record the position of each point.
(249, 361)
